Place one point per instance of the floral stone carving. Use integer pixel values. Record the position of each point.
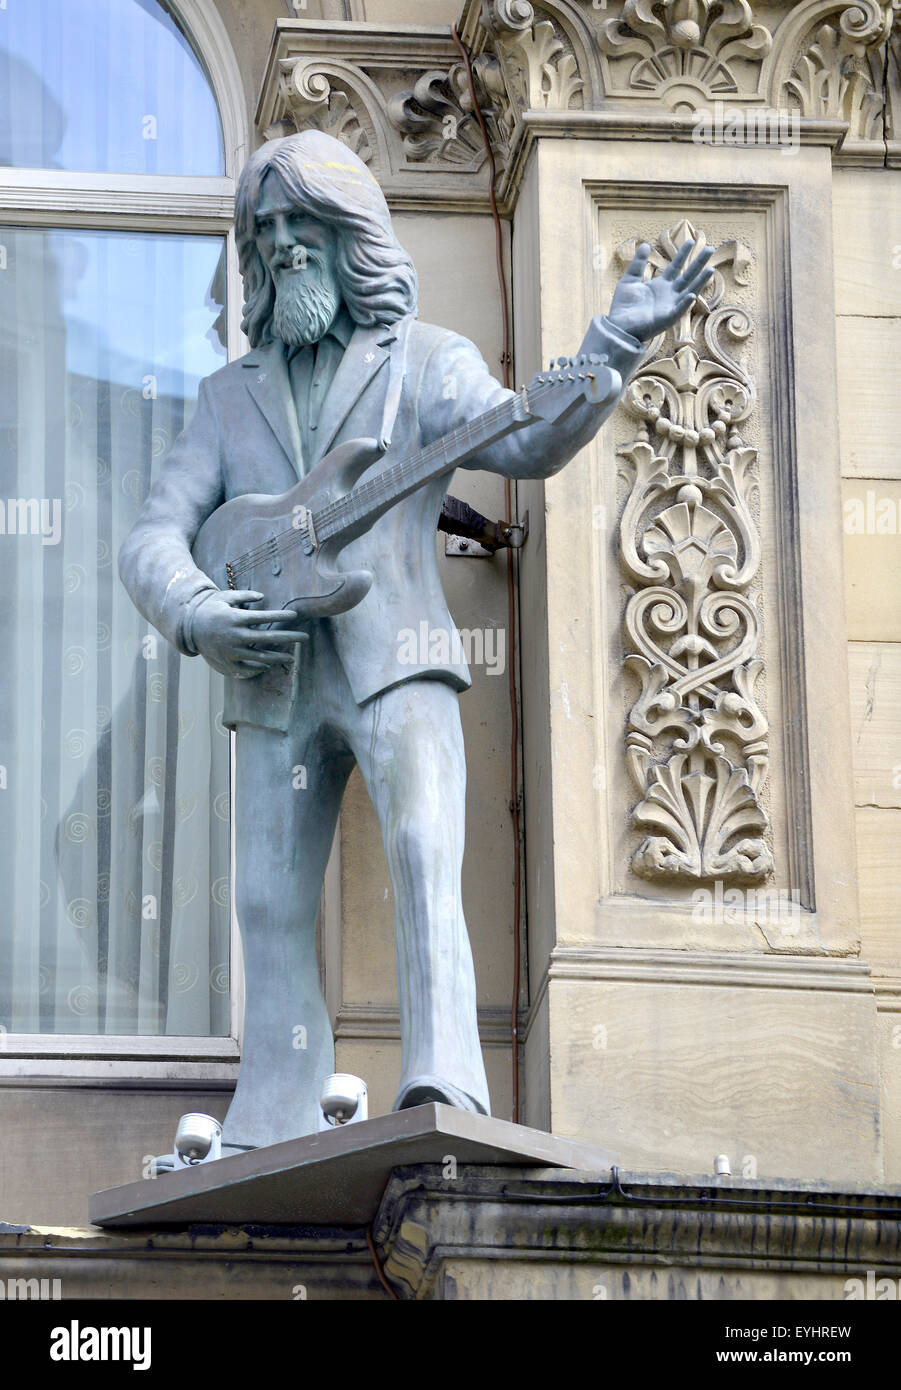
(696, 742)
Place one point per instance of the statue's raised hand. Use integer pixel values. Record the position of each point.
(645, 308)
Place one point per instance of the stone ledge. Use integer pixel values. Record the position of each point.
(502, 1233)
(568, 1235)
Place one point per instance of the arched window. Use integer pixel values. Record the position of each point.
(120, 142)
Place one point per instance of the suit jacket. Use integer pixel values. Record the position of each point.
(243, 438)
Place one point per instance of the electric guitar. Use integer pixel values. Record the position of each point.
(287, 546)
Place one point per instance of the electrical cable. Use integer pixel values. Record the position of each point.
(378, 1264)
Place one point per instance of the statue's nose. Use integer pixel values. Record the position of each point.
(283, 234)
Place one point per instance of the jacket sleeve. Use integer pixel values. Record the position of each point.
(155, 562)
(456, 387)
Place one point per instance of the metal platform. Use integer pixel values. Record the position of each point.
(335, 1178)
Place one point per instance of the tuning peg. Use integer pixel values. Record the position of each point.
(562, 361)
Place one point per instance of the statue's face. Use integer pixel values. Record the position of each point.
(301, 253)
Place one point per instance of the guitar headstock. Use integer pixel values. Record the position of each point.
(552, 394)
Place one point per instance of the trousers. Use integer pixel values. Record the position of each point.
(408, 743)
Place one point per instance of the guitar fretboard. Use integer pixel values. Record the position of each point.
(367, 502)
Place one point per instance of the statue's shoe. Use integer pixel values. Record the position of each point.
(425, 1089)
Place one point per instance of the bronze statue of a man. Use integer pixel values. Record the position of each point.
(337, 354)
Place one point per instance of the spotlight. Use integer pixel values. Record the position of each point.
(198, 1139)
(344, 1100)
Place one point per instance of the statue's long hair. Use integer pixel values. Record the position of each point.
(325, 179)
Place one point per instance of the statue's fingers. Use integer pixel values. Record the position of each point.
(276, 639)
(703, 284)
(696, 271)
(678, 261)
(259, 616)
(639, 262)
(240, 595)
(259, 658)
(683, 303)
(697, 282)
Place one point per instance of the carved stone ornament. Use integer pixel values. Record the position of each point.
(691, 44)
(400, 99)
(841, 69)
(827, 60)
(696, 741)
(309, 101)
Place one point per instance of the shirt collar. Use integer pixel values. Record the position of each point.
(343, 327)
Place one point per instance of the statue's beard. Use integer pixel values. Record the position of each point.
(306, 303)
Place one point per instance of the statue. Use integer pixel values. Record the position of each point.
(343, 382)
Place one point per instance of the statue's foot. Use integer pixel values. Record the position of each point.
(426, 1089)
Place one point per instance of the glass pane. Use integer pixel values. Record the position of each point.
(108, 85)
(113, 759)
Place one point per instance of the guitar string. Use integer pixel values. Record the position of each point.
(372, 491)
(384, 483)
(378, 487)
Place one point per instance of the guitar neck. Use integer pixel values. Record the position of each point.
(366, 503)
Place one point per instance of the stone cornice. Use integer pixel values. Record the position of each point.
(740, 1228)
(399, 96)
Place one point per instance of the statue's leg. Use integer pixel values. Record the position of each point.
(288, 790)
(409, 744)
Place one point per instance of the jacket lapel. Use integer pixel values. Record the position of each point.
(270, 385)
(367, 351)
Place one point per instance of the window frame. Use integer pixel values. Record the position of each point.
(186, 204)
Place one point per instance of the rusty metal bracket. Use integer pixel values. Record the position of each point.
(472, 535)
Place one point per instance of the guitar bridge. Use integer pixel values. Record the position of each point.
(303, 521)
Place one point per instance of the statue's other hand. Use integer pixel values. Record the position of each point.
(230, 636)
(645, 308)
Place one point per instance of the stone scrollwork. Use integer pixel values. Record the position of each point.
(541, 71)
(436, 118)
(696, 742)
(840, 69)
(309, 98)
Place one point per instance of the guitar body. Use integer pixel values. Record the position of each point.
(237, 545)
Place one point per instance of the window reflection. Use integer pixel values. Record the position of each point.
(113, 759)
(106, 85)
